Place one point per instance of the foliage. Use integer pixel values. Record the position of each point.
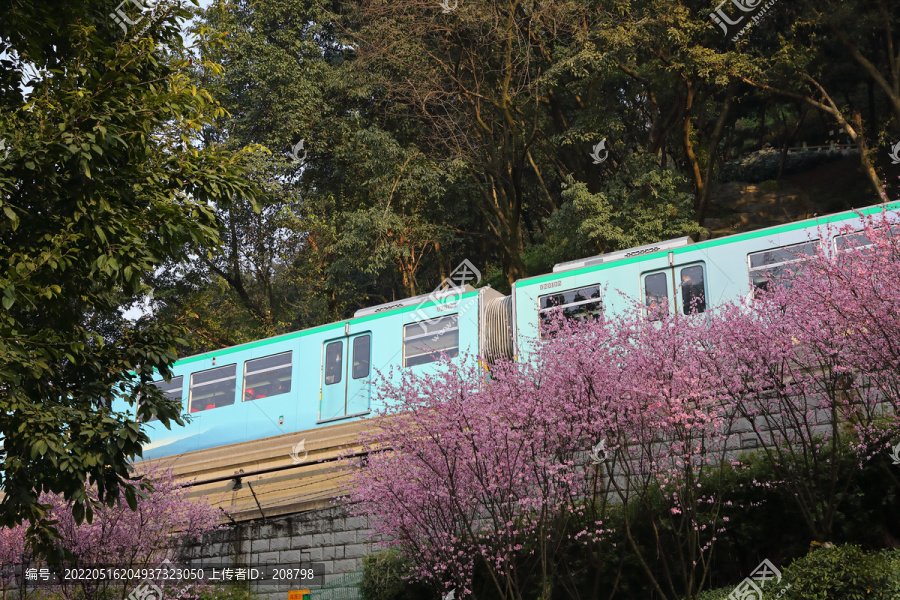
(762, 523)
(353, 221)
(385, 576)
(505, 475)
(499, 471)
(641, 204)
(843, 571)
(259, 282)
(763, 167)
(795, 65)
(101, 184)
(117, 536)
(436, 135)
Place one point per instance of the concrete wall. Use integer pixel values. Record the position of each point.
(328, 540)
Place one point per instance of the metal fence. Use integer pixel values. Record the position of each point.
(343, 588)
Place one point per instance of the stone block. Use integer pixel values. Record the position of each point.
(356, 550)
(297, 528)
(216, 563)
(267, 531)
(354, 523)
(258, 545)
(293, 557)
(280, 543)
(265, 557)
(215, 550)
(280, 528)
(367, 536)
(302, 542)
(322, 539)
(345, 537)
(222, 535)
(345, 566)
(330, 552)
(315, 554)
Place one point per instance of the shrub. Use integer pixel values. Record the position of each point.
(842, 572)
(384, 578)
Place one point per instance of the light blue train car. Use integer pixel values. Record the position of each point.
(678, 274)
(312, 378)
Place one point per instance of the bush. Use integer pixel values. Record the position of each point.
(843, 573)
(383, 579)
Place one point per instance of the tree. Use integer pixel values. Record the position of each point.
(641, 416)
(511, 473)
(859, 36)
(350, 221)
(118, 536)
(640, 202)
(476, 82)
(488, 485)
(103, 183)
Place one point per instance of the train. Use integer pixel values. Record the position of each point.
(325, 375)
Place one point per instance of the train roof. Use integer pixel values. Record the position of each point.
(622, 254)
(436, 295)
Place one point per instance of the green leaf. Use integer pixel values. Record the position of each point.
(41, 447)
(13, 217)
(78, 512)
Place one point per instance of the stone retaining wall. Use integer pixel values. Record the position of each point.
(328, 540)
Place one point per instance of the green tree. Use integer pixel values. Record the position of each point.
(642, 203)
(355, 221)
(476, 81)
(839, 58)
(104, 181)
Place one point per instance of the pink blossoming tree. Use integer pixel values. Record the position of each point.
(813, 368)
(502, 470)
(117, 536)
(499, 470)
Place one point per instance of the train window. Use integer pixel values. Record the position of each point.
(172, 391)
(213, 389)
(656, 290)
(361, 356)
(858, 240)
(334, 362)
(773, 263)
(574, 304)
(693, 290)
(269, 376)
(423, 342)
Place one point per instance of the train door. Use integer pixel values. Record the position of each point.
(346, 381)
(675, 288)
